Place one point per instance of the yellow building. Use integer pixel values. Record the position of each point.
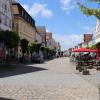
(23, 24)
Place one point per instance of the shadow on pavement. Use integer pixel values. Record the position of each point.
(12, 70)
(5, 98)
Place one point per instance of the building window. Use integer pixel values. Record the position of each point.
(22, 13)
(5, 7)
(20, 50)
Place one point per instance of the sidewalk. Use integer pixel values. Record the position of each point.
(58, 82)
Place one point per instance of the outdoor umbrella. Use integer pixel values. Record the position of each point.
(95, 51)
(82, 50)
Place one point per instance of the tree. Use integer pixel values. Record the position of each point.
(1, 36)
(90, 11)
(35, 47)
(93, 46)
(10, 39)
(24, 46)
(32, 48)
(98, 47)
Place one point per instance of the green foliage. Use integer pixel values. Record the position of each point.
(97, 1)
(10, 39)
(98, 45)
(35, 47)
(1, 35)
(42, 48)
(48, 50)
(53, 51)
(87, 47)
(90, 11)
(93, 46)
(24, 45)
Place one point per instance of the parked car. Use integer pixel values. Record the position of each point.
(37, 58)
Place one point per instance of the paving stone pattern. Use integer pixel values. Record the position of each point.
(59, 82)
(48, 93)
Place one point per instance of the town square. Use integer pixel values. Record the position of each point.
(49, 50)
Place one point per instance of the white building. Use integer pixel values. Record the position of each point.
(51, 43)
(5, 15)
(97, 35)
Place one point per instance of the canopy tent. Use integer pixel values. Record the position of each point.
(82, 50)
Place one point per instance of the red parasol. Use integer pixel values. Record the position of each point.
(95, 51)
(82, 50)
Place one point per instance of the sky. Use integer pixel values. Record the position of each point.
(61, 17)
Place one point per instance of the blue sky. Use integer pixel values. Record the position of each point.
(61, 17)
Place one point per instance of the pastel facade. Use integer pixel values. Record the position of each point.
(23, 24)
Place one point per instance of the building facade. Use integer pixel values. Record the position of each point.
(5, 15)
(97, 32)
(51, 43)
(57, 47)
(42, 31)
(39, 38)
(88, 37)
(49, 40)
(23, 24)
(48, 36)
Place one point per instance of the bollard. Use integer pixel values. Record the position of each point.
(85, 71)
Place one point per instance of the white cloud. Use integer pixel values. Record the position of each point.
(90, 29)
(68, 41)
(47, 30)
(86, 27)
(67, 5)
(38, 9)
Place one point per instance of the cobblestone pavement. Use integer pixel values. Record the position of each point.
(93, 78)
(60, 81)
(48, 92)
